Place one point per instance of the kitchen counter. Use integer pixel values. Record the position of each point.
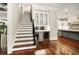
(70, 33)
(72, 30)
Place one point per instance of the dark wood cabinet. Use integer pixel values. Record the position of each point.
(45, 36)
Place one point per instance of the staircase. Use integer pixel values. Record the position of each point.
(24, 35)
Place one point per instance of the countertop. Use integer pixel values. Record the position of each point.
(73, 30)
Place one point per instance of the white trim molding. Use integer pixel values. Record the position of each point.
(54, 38)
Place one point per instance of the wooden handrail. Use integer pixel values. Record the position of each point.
(32, 25)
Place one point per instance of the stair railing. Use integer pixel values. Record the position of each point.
(33, 26)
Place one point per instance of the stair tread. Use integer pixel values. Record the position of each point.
(24, 27)
(25, 45)
(24, 36)
(22, 41)
(23, 33)
(24, 30)
(19, 33)
(23, 48)
(18, 39)
(25, 23)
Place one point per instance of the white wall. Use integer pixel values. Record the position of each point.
(52, 21)
(13, 19)
(72, 11)
(53, 25)
(26, 8)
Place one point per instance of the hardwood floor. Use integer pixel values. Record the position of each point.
(62, 46)
(68, 46)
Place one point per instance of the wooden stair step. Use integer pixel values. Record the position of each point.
(24, 30)
(24, 52)
(25, 45)
(23, 33)
(23, 48)
(18, 39)
(24, 27)
(23, 41)
(24, 37)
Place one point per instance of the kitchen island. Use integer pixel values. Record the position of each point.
(69, 33)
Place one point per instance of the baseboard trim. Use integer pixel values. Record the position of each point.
(9, 52)
(54, 38)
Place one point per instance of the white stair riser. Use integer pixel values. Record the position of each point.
(23, 48)
(28, 33)
(21, 43)
(24, 32)
(20, 39)
(23, 35)
(24, 27)
(25, 24)
(25, 20)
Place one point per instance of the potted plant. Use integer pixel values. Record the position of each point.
(2, 27)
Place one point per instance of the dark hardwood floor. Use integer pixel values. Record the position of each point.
(62, 46)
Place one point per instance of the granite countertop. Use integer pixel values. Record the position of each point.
(73, 30)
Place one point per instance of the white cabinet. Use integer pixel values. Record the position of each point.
(41, 20)
(63, 23)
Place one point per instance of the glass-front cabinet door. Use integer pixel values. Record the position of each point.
(45, 20)
(41, 19)
(36, 19)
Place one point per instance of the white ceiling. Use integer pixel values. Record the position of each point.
(56, 5)
(59, 5)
